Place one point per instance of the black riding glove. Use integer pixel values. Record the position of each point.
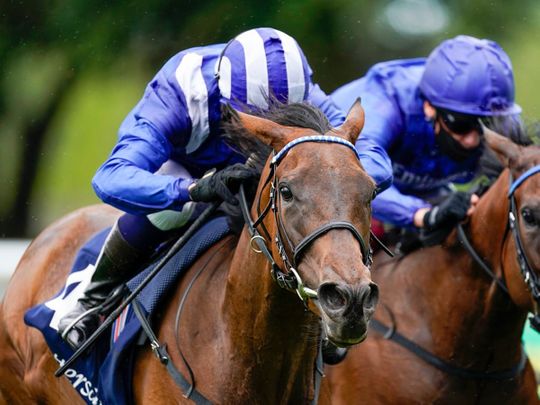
(449, 212)
(441, 219)
(222, 185)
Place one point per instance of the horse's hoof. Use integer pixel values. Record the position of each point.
(332, 354)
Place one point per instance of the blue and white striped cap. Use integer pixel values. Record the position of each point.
(263, 62)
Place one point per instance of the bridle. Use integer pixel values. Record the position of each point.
(291, 254)
(529, 276)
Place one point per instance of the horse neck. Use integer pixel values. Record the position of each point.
(267, 329)
(491, 318)
(488, 224)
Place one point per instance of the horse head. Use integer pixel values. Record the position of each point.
(521, 254)
(319, 200)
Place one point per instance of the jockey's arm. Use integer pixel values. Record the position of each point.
(383, 126)
(319, 99)
(397, 208)
(126, 179)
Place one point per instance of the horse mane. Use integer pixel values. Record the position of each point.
(301, 115)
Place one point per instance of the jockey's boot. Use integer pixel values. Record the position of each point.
(117, 261)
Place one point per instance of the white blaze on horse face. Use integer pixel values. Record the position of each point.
(62, 304)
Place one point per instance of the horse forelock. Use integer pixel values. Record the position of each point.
(301, 115)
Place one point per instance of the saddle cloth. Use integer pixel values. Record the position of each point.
(104, 374)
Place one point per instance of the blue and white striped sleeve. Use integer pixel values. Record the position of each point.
(126, 179)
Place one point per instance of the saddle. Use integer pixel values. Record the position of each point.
(104, 374)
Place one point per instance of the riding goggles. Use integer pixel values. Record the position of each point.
(459, 123)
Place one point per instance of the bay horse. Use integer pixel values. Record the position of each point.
(452, 325)
(246, 339)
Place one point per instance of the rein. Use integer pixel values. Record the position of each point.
(470, 249)
(290, 279)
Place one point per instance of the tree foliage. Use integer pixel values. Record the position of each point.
(45, 47)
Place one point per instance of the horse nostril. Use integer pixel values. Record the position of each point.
(371, 296)
(332, 296)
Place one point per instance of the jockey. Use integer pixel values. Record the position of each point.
(423, 132)
(172, 137)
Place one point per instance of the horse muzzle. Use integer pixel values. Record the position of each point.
(346, 311)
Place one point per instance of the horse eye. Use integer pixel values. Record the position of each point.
(285, 192)
(528, 216)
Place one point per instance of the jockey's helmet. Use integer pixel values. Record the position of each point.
(263, 64)
(471, 76)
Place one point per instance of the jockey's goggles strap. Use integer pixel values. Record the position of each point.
(315, 138)
(522, 178)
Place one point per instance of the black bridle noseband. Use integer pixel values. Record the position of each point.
(290, 279)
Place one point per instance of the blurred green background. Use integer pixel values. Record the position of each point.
(71, 70)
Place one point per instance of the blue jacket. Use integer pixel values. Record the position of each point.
(178, 119)
(397, 143)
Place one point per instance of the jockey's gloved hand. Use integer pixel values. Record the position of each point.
(222, 185)
(449, 212)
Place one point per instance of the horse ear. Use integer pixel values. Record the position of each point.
(267, 131)
(351, 128)
(504, 148)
